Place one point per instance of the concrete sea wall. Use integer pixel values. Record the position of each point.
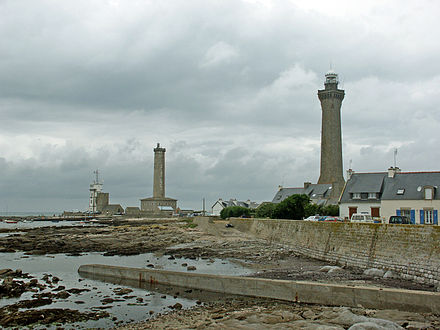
(413, 252)
(306, 292)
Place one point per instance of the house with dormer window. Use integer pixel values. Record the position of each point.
(320, 193)
(220, 204)
(413, 194)
(362, 194)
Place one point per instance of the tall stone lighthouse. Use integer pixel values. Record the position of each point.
(331, 140)
(158, 202)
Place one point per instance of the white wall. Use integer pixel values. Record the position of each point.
(217, 208)
(361, 207)
(389, 207)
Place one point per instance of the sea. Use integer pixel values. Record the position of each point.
(29, 213)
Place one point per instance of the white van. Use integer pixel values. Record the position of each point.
(361, 217)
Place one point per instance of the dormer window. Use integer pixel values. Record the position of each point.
(372, 196)
(429, 192)
(356, 196)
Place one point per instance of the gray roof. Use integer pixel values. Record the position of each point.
(322, 189)
(410, 182)
(234, 202)
(283, 193)
(366, 183)
(158, 199)
(113, 208)
(363, 183)
(314, 191)
(386, 187)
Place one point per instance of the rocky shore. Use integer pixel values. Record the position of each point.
(14, 283)
(175, 239)
(123, 239)
(269, 314)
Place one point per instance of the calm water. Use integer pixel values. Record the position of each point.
(28, 214)
(65, 267)
(36, 224)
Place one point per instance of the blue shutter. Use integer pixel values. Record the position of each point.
(422, 218)
(435, 217)
(413, 216)
(397, 212)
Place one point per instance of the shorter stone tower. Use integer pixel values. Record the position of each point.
(158, 202)
(331, 138)
(159, 172)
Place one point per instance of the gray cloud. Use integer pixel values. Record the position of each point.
(229, 88)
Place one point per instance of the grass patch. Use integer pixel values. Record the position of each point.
(190, 223)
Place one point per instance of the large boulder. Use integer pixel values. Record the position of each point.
(374, 272)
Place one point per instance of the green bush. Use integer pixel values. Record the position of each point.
(190, 223)
(332, 210)
(234, 211)
(312, 209)
(292, 207)
(265, 210)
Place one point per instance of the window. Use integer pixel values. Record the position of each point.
(400, 191)
(372, 195)
(428, 193)
(356, 196)
(429, 217)
(405, 212)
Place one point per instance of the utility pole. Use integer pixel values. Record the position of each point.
(204, 206)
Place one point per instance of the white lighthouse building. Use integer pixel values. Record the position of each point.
(95, 189)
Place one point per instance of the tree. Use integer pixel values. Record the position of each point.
(312, 209)
(292, 207)
(332, 210)
(265, 210)
(234, 211)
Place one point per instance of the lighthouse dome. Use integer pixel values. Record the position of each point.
(331, 77)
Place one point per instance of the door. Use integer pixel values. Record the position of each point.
(351, 211)
(375, 213)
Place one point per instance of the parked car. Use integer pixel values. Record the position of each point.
(400, 219)
(332, 219)
(313, 218)
(361, 217)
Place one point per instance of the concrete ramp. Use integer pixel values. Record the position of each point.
(295, 291)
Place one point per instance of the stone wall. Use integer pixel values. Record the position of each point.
(412, 251)
(102, 200)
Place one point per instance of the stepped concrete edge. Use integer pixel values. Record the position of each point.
(295, 291)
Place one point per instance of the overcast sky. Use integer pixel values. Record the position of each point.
(228, 87)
